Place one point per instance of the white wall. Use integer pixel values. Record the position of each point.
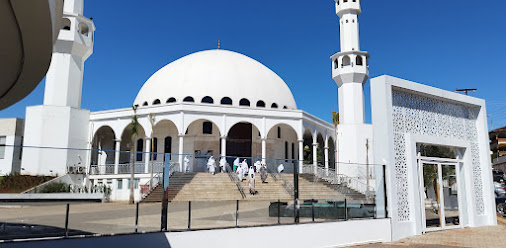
(54, 127)
(332, 234)
(405, 113)
(12, 129)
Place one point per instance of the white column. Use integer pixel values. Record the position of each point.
(117, 155)
(264, 149)
(147, 156)
(181, 151)
(223, 146)
(315, 157)
(301, 154)
(326, 160)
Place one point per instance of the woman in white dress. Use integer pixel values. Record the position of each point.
(251, 176)
(223, 164)
(211, 165)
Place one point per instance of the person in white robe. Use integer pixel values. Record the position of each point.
(236, 164)
(223, 165)
(186, 164)
(258, 164)
(211, 165)
(239, 173)
(281, 168)
(244, 168)
(251, 176)
(263, 173)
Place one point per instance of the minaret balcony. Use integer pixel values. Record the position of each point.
(76, 35)
(343, 6)
(350, 67)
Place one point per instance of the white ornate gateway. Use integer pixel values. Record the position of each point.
(407, 115)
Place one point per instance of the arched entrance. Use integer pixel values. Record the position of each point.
(202, 139)
(308, 147)
(244, 140)
(138, 145)
(282, 147)
(103, 147)
(332, 153)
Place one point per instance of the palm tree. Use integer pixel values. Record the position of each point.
(151, 118)
(133, 134)
(335, 121)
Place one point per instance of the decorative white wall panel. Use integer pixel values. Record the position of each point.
(418, 114)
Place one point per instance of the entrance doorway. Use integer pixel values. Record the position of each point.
(439, 180)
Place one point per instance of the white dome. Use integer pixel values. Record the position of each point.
(216, 74)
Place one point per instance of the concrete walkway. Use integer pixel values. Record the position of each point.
(483, 237)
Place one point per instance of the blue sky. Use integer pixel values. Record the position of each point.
(447, 44)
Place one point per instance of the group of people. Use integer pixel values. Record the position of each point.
(241, 169)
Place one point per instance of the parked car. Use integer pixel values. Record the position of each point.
(498, 175)
(500, 204)
(499, 188)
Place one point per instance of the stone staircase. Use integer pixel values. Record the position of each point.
(272, 190)
(345, 191)
(177, 181)
(219, 187)
(208, 187)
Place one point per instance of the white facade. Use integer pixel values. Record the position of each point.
(11, 140)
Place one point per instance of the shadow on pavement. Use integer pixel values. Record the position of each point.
(158, 240)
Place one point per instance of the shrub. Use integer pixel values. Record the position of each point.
(54, 187)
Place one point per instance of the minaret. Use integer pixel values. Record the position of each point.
(350, 70)
(60, 122)
(64, 79)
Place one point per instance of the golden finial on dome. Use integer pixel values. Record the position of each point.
(218, 44)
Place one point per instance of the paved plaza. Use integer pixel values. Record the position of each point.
(109, 218)
(481, 237)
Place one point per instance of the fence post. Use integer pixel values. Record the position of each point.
(67, 221)
(237, 213)
(312, 208)
(296, 192)
(279, 211)
(345, 209)
(189, 215)
(136, 216)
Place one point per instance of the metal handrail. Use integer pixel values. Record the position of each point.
(286, 184)
(233, 178)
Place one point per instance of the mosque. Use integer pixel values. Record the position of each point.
(223, 103)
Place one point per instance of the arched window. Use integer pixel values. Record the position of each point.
(156, 102)
(188, 99)
(274, 105)
(336, 64)
(65, 25)
(207, 127)
(285, 107)
(83, 28)
(346, 61)
(140, 148)
(359, 60)
(207, 99)
(226, 101)
(154, 148)
(145, 104)
(286, 150)
(345, 1)
(167, 145)
(279, 132)
(172, 99)
(261, 104)
(244, 102)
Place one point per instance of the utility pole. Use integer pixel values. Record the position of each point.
(367, 168)
(466, 90)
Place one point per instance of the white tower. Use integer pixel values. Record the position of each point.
(60, 122)
(350, 70)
